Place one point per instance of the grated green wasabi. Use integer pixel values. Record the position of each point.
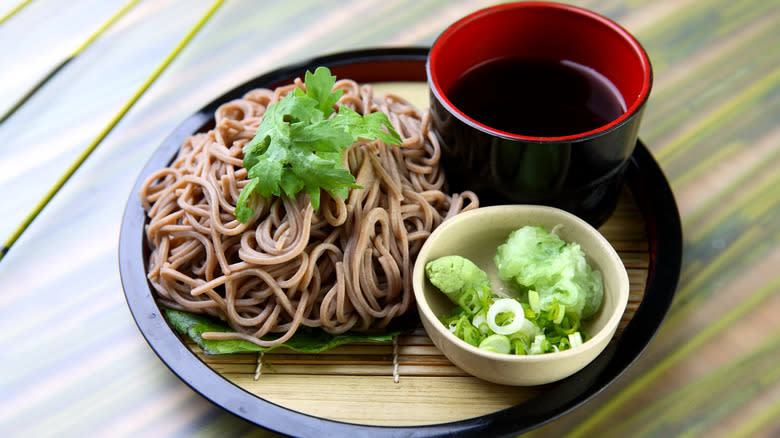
(533, 259)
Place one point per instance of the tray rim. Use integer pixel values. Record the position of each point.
(644, 176)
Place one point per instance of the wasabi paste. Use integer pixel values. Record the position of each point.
(455, 275)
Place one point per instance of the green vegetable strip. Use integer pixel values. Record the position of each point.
(303, 341)
(497, 344)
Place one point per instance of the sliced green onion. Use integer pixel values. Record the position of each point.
(540, 345)
(470, 301)
(506, 305)
(575, 339)
(568, 325)
(452, 326)
(526, 339)
(506, 325)
(557, 313)
(468, 332)
(480, 322)
(518, 346)
(529, 313)
(496, 343)
(534, 301)
(485, 297)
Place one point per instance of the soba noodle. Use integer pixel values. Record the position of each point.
(346, 266)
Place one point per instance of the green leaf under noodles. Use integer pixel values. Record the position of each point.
(303, 341)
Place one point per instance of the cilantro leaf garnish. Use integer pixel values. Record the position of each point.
(300, 144)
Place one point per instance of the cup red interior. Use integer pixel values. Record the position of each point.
(541, 30)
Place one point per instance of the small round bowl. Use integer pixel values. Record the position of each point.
(476, 235)
(580, 172)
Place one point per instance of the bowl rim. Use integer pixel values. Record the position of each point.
(632, 110)
(607, 250)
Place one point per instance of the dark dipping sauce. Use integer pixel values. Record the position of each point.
(537, 97)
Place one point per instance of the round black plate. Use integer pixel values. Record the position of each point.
(644, 177)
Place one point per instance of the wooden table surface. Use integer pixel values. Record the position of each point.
(73, 363)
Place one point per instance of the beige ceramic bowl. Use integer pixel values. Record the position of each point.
(476, 235)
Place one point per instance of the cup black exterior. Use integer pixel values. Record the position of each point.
(583, 176)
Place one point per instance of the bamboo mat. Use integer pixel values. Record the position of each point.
(355, 383)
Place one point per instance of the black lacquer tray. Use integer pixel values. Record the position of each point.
(649, 195)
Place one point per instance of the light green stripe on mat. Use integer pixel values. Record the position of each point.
(745, 240)
(707, 163)
(739, 380)
(746, 179)
(763, 203)
(722, 115)
(743, 253)
(699, 83)
(767, 417)
(634, 388)
(767, 188)
(14, 10)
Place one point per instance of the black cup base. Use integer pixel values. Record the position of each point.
(594, 203)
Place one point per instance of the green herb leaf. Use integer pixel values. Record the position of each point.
(300, 144)
(319, 86)
(242, 212)
(303, 341)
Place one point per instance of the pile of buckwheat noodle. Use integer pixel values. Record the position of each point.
(346, 266)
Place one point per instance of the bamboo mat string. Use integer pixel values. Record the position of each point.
(396, 375)
(259, 367)
(67, 60)
(14, 10)
(106, 130)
